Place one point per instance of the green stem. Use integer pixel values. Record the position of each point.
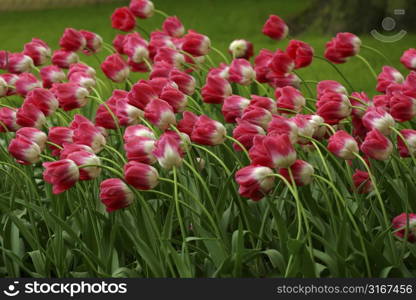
(378, 52)
(239, 144)
(221, 54)
(336, 69)
(370, 68)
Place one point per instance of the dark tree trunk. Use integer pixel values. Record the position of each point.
(357, 16)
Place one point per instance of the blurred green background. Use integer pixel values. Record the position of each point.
(221, 20)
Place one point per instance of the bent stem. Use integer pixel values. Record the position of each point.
(112, 170)
(221, 54)
(370, 68)
(378, 52)
(406, 143)
(377, 192)
(239, 144)
(336, 69)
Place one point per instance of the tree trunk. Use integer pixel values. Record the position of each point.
(357, 16)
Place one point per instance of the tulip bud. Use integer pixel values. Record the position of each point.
(26, 82)
(241, 49)
(275, 28)
(141, 176)
(196, 44)
(19, 63)
(302, 173)
(62, 174)
(387, 76)
(173, 27)
(70, 95)
(333, 86)
(43, 99)
(24, 150)
(135, 47)
(215, 90)
(168, 151)
(281, 125)
(34, 135)
(123, 19)
(405, 226)
(376, 118)
(333, 107)
(141, 94)
(362, 182)
(86, 158)
(281, 62)
(289, 98)
(115, 68)
(257, 116)
(72, 40)
(255, 181)
(407, 147)
(94, 42)
(175, 98)
(51, 75)
(134, 131)
(343, 145)
(8, 119)
(160, 113)
(208, 132)
(300, 52)
(408, 59)
(89, 135)
(142, 8)
(115, 194)
(376, 145)
(241, 72)
(28, 115)
(38, 50)
(59, 136)
(245, 132)
(64, 58)
(233, 107)
(140, 149)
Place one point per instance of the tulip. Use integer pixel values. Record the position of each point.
(135, 47)
(175, 98)
(280, 150)
(275, 28)
(86, 158)
(82, 79)
(134, 131)
(94, 42)
(34, 135)
(300, 52)
(281, 80)
(186, 125)
(140, 149)
(405, 226)
(10, 80)
(141, 94)
(261, 64)
(196, 44)
(233, 107)
(115, 194)
(24, 150)
(403, 107)
(281, 63)
(26, 82)
(241, 72)
(325, 86)
(62, 174)
(141, 176)
(381, 101)
(376, 118)
(123, 19)
(50, 75)
(64, 59)
(215, 90)
(159, 83)
(160, 69)
(4, 59)
(8, 119)
(169, 56)
(87, 134)
(186, 83)
(28, 115)
(241, 49)
(68, 149)
(60, 136)
(302, 173)
(127, 114)
(289, 98)
(72, 40)
(376, 145)
(387, 76)
(43, 99)
(160, 113)
(333, 107)
(173, 27)
(19, 63)
(222, 71)
(118, 43)
(245, 132)
(408, 59)
(362, 182)
(263, 102)
(257, 116)
(168, 151)
(343, 145)
(254, 181)
(80, 67)
(307, 126)
(38, 50)
(208, 132)
(115, 68)
(343, 46)
(142, 8)
(407, 147)
(281, 125)
(359, 103)
(70, 95)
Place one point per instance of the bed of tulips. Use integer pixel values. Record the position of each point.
(236, 169)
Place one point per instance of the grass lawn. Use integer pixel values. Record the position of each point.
(222, 21)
